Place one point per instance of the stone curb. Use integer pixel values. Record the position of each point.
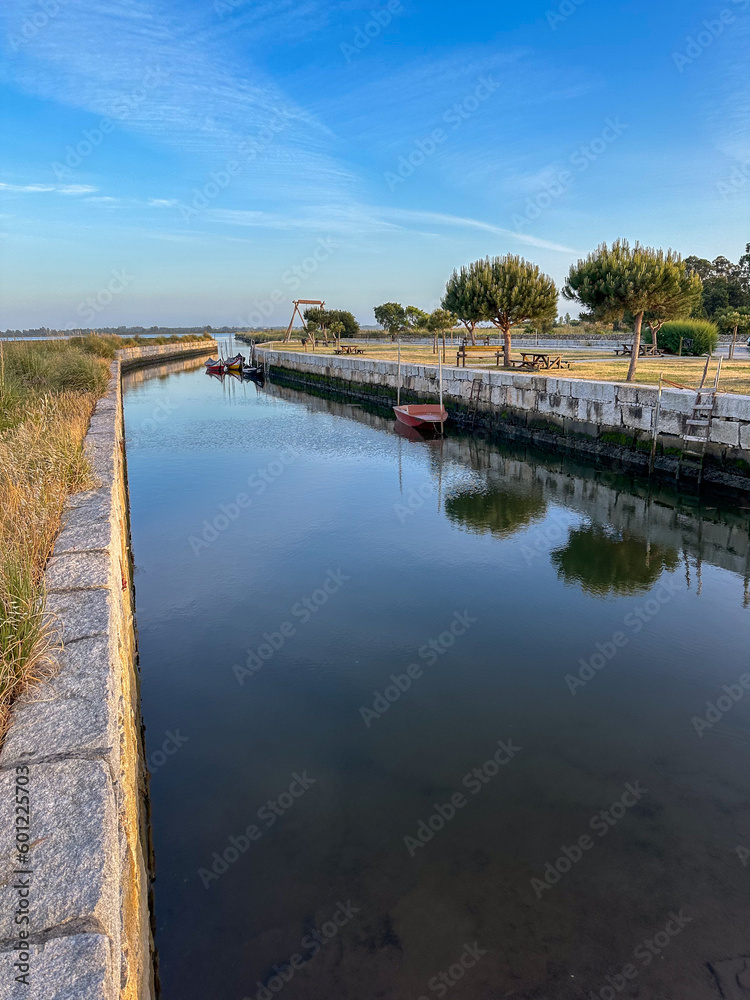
(73, 749)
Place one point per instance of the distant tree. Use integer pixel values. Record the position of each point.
(734, 321)
(681, 298)
(463, 296)
(725, 285)
(416, 318)
(347, 320)
(336, 328)
(392, 317)
(316, 321)
(513, 290)
(439, 322)
(615, 280)
(324, 318)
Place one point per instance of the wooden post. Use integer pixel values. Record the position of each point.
(440, 390)
(734, 341)
(656, 428)
(398, 388)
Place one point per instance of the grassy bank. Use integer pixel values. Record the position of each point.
(48, 391)
(601, 366)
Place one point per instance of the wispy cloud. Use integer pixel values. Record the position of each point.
(349, 220)
(161, 202)
(457, 221)
(47, 188)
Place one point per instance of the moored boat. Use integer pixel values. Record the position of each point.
(421, 413)
(214, 365)
(251, 371)
(234, 364)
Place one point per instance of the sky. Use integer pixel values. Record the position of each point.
(207, 161)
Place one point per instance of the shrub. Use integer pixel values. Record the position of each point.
(699, 336)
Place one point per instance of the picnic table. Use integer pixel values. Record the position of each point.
(539, 361)
(644, 350)
(348, 350)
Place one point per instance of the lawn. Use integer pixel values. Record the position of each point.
(585, 363)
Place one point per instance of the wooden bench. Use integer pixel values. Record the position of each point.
(644, 350)
(470, 350)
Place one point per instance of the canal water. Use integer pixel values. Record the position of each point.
(431, 718)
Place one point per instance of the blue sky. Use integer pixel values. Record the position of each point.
(209, 160)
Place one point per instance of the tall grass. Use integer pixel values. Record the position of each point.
(47, 394)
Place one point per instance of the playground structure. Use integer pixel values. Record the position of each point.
(297, 312)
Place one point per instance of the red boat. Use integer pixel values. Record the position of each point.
(414, 416)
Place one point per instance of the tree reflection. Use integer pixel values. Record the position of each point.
(603, 563)
(500, 512)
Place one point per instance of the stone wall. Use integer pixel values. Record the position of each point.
(557, 411)
(72, 762)
(134, 357)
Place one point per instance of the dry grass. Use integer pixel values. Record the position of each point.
(735, 375)
(47, 394)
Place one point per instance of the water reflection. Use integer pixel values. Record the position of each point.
(491, 532)
(495, 509)
(603, 562)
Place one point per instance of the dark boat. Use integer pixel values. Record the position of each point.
(253, 372)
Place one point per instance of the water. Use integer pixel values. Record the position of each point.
(292, 554)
